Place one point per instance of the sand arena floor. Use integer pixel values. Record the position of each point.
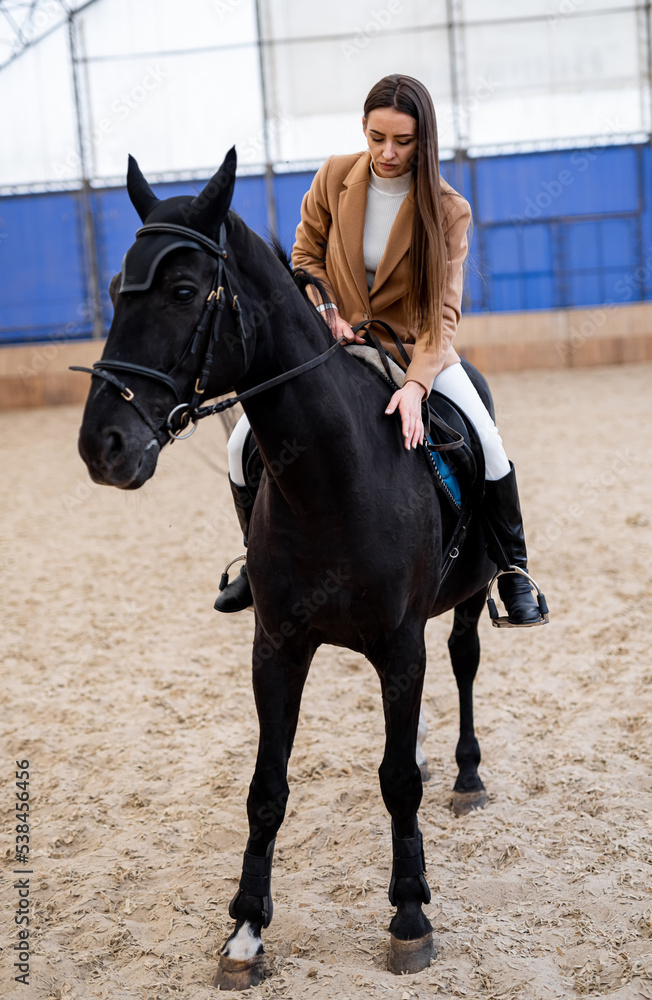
(132, 701)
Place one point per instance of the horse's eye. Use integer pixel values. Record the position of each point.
(184, 294)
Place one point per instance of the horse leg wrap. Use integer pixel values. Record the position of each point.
(256, 880)
(409, 862)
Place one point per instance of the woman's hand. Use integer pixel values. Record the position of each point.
(409, 400)
(340, 328)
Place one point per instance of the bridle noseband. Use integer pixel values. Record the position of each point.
(182, 413)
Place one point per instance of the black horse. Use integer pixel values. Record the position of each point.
(346, 536)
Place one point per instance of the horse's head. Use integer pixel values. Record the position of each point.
(174, 327)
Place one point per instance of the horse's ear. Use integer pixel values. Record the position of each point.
(142, 197)
(210, 207)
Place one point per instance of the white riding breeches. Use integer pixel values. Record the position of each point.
(454, 383)
(234, 449)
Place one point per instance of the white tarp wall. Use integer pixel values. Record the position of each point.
(177, 84)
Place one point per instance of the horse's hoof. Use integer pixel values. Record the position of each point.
(425, 773)
(410, 956)
(466, 802)
(239, 974)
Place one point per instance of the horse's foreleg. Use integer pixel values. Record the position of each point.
(422, 760)
(401, 666)
(278, 685)
(464, 647)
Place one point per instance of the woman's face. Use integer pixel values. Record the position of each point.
(392, 139)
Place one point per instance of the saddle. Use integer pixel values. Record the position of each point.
(452, 447)
(449, 432)
(452, 443)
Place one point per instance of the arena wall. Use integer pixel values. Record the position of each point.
(37, 374)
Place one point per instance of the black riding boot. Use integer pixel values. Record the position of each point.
(506, 547)
(237, 596)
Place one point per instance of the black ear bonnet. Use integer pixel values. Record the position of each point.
(144, 256)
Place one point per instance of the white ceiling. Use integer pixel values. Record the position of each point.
(177, 84)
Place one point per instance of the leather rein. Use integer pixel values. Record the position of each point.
(180, 415)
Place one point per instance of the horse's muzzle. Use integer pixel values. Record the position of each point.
(111, 462)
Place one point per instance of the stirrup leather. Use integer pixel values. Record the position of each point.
(502, 621)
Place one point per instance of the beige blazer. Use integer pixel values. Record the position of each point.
(329, 246)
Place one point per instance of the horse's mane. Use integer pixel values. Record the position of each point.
(302, 278)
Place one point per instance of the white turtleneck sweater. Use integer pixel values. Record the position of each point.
(384, 198)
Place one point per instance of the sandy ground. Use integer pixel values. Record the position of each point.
(131, 700)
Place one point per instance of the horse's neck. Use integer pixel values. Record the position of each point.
(313, 421)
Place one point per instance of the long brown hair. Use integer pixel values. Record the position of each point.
(428, 250)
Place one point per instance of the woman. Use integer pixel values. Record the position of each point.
(395, 240)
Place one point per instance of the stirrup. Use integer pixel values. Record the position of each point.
(224, 579)
(503, 621)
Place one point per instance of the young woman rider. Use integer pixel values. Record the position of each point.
(388, 238)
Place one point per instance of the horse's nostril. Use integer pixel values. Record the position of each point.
(114, 446)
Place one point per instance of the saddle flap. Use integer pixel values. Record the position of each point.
(467, 461)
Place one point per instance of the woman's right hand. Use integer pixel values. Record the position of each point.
(340, 328)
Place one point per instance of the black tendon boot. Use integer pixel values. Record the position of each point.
(506, 547)
(237, 596)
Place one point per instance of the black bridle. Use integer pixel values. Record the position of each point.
(210, 319)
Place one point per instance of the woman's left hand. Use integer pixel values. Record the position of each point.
(409, 400)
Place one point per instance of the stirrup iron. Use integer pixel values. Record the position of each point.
(224, 579)
(502, 621)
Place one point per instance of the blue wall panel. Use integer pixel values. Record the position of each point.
(646, 222)
(502, 251)
(505, 294)
(42, 281)
(538, 291)
(535, 186)
(289, 190)
(563, 228)
(536, 248)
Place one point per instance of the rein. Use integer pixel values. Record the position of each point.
(182, 413)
